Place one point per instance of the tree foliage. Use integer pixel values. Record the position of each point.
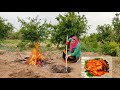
(104, 33)
(116, 27)
(32, 30)
(68, 24)
(5, 28)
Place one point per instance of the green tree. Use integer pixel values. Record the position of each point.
(47, 28)
(32, 30)
(116, 27)
(104, 33)
(5, 28)
(68, 24)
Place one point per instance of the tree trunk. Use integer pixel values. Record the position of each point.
(57, 45)
(45, 40)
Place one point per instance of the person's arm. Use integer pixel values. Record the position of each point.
(75, 51)
(67, 44)
(68, 41)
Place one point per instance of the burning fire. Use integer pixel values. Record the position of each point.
(97, 67)
(36, 56)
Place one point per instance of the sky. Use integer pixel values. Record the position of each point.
(94, 18)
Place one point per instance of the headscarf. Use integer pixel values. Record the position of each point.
(73, 45)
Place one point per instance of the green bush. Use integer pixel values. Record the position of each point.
(23, 45)
(84, 47)
(110, 48)
(89, 46)
(118, 51)
(14, 35)
(48, 45)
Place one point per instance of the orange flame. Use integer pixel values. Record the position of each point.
(97, 67)
(36, 55)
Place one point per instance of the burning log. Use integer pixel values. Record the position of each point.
(36, 58)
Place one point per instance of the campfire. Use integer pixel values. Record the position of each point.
(36, 58)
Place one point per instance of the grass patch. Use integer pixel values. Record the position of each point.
(8, 48)
(11, 41)
(9, 45)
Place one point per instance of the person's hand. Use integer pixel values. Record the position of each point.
(80, 58)
(67, 56)
(67, 43)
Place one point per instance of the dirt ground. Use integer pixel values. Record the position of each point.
(10, 68)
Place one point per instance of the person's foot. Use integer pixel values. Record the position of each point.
(71, 57)
(74, 61)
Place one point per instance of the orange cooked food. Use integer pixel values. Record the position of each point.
(97, 67)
